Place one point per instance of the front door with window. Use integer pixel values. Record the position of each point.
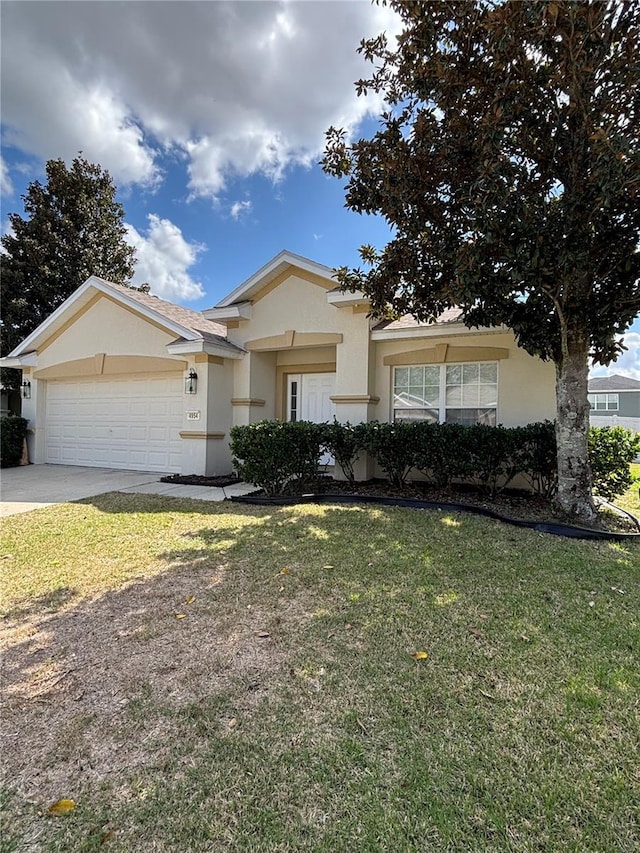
(309, 399)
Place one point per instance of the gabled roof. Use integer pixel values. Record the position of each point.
(187, 325)
(265, 275)
(615, 382)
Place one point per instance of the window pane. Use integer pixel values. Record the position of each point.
(432, 375)
(430, 415)
(487, 395)
(454, 395)
(454, 374)
(469, 417)
(470, 395)
(402, 377)
(489, 373)
(416, 375)
(470, 373)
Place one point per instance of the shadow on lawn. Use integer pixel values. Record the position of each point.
(219, 618)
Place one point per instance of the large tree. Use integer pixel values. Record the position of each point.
(508, 165)
(73, 229)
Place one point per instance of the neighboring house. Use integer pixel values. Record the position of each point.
(122, 379)
(615, 401)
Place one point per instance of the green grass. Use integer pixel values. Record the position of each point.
(519, 732)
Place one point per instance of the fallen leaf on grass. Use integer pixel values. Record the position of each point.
(327, 567)
(180, 615)
(477, 632)
(263, 634)
(233, 722)
(61, 807)
(190, 599)
(488, 695)
(285, 571)
(107, 836)
(419, 655)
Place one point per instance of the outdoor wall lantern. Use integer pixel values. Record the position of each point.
(191, 383)
(26, 389)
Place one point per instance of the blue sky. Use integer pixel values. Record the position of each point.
(210, 117)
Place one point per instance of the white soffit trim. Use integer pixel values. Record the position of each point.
(239, 311)
(435, 331)
(194, 347)
(28, 359)
(81, 297)
(347, 300)
(269, 271)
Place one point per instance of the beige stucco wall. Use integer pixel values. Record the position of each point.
(526, 385)
(299, 305)
(131, 344)
(106, 327)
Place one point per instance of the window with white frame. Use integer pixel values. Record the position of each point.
(604, 402)
(447, 393)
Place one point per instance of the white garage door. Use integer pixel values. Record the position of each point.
(133, 422)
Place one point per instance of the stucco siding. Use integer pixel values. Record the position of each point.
(109, 328)
(526, 385)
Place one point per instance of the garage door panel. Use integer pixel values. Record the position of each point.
(116, 423)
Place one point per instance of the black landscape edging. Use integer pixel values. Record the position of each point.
(555, 529)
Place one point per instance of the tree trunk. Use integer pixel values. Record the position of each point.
(572, 424)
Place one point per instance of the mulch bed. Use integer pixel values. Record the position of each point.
(200, 480)
(510, 502)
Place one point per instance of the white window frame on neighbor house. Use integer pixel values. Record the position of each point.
(430, 400)
(604, 402)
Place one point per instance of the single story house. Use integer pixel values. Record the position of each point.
(615, 401)
(119, 378)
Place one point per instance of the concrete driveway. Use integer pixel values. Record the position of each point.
(34, 486)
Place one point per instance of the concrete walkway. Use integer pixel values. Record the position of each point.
(34, 486)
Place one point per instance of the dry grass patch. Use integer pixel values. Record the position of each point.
(283, 711)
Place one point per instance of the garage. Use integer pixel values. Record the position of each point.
(129, 422)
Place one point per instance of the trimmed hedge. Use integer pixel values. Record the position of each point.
(13, 431)
(272, 454)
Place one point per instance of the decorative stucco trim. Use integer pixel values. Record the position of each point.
(212, 435)
(110, 365)
(291, 339)
(355, 398)
(205, 358)
(247, 401)
(446, 353)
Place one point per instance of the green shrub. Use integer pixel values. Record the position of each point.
(13, 431)
(611, 452)
(439, 452)
(535, 456)
(491, 456)
(344, 442)
(272, 454)
(394, 447)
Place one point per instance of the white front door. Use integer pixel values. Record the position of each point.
(309, 399)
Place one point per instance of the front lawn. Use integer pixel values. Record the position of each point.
(211, 677)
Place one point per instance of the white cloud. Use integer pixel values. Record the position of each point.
(237, 88)
(240, 207)
(6, 187)
(628, 364)
(163, 260)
